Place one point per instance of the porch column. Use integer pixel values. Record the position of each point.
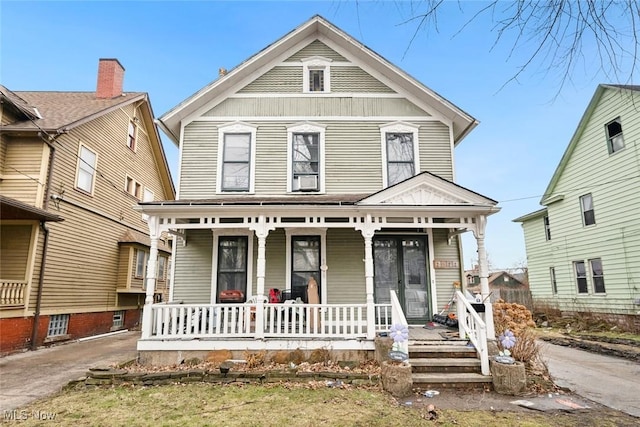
(479, 233)
(150, 281)
(368, 230)
(261, 230)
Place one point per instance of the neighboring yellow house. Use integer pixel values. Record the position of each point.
(73, 251)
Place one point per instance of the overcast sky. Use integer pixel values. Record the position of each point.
(173, 49)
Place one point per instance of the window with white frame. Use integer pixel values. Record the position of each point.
(399, 152)
(554, 283)
(236, 154)
(306, 158)
(132, 134)
(141, 263)
(85, 177)
(597, 275)
(588, 214)
(58, 325)
(615, 141)
(232, 264)
(305, 264)
(547, 228)
(581, 277)
(316, 75)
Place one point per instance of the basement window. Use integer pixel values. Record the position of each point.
(58, 325)
(118, 319)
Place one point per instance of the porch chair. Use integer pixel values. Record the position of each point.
(255, 300)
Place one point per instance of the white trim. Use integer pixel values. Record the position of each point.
(399, 127)
(432, 272)
(322, 232)
(241, 232)
(297, 64)
(236, 127)
(318, 95)
(180, 151)
(94, 167)
(253, 344)
(316, 63)
(306, 127)
(323, 118)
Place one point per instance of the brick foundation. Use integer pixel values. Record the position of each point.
(15, 333)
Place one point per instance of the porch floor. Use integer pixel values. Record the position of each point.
(432, 332)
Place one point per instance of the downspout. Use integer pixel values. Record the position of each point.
(43, 261)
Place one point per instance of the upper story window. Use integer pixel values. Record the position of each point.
(306, 158)
(399, 152)
(133, 187)
(615, 141)
(132, 134)
(588, 214)
(547, 228)
(236, 154)
(316, 75)
(85, 175)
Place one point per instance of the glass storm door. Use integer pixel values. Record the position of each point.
(400, 264)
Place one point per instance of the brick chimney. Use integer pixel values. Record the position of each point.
(110, 77)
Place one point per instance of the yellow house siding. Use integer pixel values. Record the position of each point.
(345, 274)
(14, 251)
(192, 269)
(23, 173)
(315, 107)
(199, 156)
(316, 48)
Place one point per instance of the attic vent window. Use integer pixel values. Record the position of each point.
(615, 141)
(317, 75)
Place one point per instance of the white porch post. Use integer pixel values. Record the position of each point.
(479, 233)
(368, 230)
(150, 281)
(261, 230)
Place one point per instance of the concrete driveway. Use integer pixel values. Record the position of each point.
(607, 380)
(32, 375)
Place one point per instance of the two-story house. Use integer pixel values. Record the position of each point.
(583, 247)
(318, 175)
(74, 251)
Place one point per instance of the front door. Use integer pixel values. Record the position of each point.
(400, 264)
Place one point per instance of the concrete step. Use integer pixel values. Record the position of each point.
(445, 365)
(426, 381)
(442, 351)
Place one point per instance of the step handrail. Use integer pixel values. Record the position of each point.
(471, 325)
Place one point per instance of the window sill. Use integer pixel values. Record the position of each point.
(57, 338)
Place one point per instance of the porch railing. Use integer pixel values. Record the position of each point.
(398, 319)
(471, 325)
(12, 293)
(193, 321)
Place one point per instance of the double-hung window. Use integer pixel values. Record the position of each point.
(588, 214)
(86, 173)
(597, 275)
(132, 135)
(141, 263)
(399, 152)
(615, 141)
(581, 277)
(554, 283)
(305, 264)
(306, 158)
(236, 154)
(316, 75)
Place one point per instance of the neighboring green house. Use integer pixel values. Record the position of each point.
(317, 168)
(583, 247)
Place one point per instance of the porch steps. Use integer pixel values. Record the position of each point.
(450, 364)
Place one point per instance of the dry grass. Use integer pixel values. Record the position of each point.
(272, 405)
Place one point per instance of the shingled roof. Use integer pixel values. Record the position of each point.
(62, 110)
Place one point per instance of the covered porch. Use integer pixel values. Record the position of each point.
(353, 307)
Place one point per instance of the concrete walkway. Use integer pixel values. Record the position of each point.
(32, 375)
(607, 380)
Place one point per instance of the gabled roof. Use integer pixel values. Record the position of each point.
(316, 27)
(548, 193)
(15, 209)
(531, 215)
(428, 189)
(59, 112)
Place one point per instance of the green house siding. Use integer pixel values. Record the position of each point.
(192, 268)
(613, 180)
(316, 48)
(345, 274)
(346, 144)
(355, 79)
(447, 276)
(316, 107)
(278, 79)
